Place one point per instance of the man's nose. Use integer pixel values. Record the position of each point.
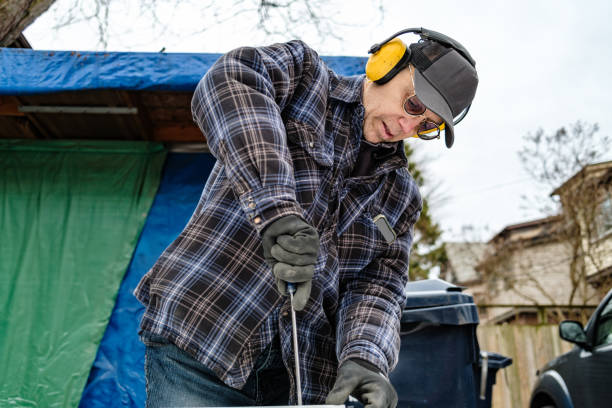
(409, 124)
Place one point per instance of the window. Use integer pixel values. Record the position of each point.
(604, 218)
(604, 326)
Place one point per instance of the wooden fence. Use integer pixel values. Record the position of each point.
(530, 347)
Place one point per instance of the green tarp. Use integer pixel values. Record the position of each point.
(70, 216)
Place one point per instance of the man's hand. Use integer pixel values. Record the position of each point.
(291, 247)
(368, 386)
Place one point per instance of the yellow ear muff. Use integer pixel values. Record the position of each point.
(387, 61)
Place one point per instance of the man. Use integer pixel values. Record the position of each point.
(310, 187)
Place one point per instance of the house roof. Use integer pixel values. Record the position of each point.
(108, 95)
(527, 230)
(541, 227)
(603, 169)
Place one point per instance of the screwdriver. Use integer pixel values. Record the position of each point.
(291, 288)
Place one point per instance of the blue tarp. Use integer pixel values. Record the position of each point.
(117, 375)
(25, 71)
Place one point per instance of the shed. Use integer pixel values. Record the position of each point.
(101, 166)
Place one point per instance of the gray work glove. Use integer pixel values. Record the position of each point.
(291, 247)
(366, 384)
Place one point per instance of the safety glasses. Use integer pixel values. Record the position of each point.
(427, 129)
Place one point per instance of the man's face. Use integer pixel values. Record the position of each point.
(385, 119)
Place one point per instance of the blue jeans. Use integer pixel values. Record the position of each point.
(174, 378)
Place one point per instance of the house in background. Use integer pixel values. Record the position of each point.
(544, 270)
(527, 269)
(460, 268)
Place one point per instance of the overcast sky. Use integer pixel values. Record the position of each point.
(540, 63)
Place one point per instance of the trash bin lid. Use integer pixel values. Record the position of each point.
(434, 292)
(454, 314)
(427, 285)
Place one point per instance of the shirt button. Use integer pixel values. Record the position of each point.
(311, 144)
(285, 314)
(257, 220)
(252, 206)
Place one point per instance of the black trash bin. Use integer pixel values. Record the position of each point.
(488, 365)
(439, 348)
(440, 360)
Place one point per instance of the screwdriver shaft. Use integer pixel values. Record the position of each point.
(291, 290)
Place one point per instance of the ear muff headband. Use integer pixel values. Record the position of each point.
(428, 35)
(383, 65)
(387, 60)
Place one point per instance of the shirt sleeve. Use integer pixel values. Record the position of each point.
(238, 106)
(371, 305)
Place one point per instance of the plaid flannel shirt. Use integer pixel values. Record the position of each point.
(286, 131)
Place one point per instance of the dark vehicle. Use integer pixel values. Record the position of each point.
(582, 377)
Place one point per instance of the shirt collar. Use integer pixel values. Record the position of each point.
(346, 88)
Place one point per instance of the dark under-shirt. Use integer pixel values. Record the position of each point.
(371, 155)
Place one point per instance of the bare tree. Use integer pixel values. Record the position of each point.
(276, 19)
(552, 158)
(16, 15)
